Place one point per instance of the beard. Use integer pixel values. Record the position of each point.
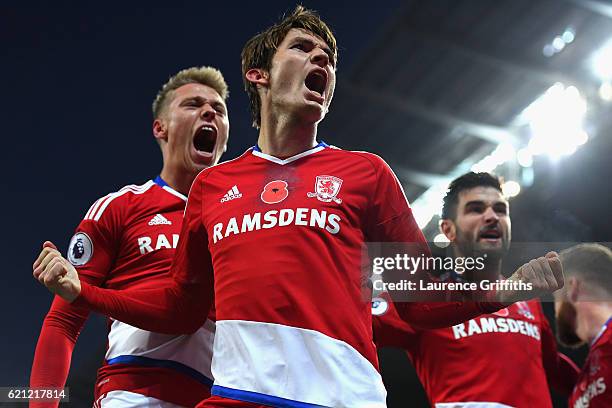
(566, 326)
(467, 245)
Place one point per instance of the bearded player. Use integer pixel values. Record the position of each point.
(127, 240)
(282, 259)
(583, 312)
(502, 359)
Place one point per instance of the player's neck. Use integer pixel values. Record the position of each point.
(177, 180)
(491, 272)
(591, 316)
(492, 269)
(284, 136)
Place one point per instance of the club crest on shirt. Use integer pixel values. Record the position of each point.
(594, 362)
(80, 249)
(523, 309)
(327, 189)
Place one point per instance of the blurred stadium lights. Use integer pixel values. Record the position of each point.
(559, 42)
(504, 152)
(511, 189)
(524, 157)
(556, 120)
(602, 62)
(554, 124)
(568, 35)
(429, 204)
(605, 91)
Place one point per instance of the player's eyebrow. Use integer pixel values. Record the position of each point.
(474, 203)
(199, 99)
(218, 105)
(479, 203)
(323, 46)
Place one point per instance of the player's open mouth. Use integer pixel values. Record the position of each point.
(316, 81)
(205, 139)
(490, 234)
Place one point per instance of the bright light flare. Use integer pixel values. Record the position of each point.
(429, 204)
(568, 35)
(602, 62)
(555, 119)
(511, 188)
(524, 157)
(605, 91)
(503, 153)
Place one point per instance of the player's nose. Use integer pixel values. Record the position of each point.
(490, 215)
(319, 57)
(208, 113)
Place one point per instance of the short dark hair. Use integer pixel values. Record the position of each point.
(592, 262)
(260, 49)
(466, 182)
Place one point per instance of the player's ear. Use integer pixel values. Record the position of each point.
(160, 130)
(447, 227)
(257, 76)
(573, 288)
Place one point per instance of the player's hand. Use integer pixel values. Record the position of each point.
(545, 275)
(56, 273)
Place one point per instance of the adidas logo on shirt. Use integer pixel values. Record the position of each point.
(231, 194)
(159, 220)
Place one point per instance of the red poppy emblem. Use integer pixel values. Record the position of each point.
(274, 192)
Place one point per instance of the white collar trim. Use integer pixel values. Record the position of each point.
(288, 160)
(174, 192)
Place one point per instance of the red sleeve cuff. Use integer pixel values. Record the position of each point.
(83, 300)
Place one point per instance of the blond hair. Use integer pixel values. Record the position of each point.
(208, 76)
(260, 49)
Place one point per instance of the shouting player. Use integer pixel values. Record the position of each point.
(584, 311)
(510, 353)
(127, 240)
(274, 238)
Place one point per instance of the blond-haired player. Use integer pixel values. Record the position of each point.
(127, 240)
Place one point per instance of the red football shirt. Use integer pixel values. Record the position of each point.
(278, 245)
(127, 240)
(501, 359)
(593, 386)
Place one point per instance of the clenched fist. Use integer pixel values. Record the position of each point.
(545, 274)
(56, 273)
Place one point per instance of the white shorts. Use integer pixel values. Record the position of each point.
(471, 405)
(126, 399)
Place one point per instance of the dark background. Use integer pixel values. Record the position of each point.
(79, 80)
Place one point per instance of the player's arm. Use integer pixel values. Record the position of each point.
(544, 273)
(388, 328)
(56, 342)
(561, 371)
(392, 221)
(179, 307)
(64, 321)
